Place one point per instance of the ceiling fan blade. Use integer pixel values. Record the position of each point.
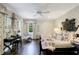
(45, 12)
(42, 11)
(35, 14)
(41, 14)
(38, 14)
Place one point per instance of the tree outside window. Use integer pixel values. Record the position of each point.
(30, 27)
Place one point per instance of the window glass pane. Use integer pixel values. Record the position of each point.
(8, 22)
(8, 25)
(30, 27)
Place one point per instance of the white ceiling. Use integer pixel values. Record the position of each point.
(28, 10)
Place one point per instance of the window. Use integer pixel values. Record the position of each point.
(30, 27)
(8, 22)
(7, 26)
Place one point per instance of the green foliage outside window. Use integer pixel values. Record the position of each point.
(30, 27)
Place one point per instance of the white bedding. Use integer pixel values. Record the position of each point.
(76, 41)
(58, 41)
(55, 44)
(46, 45)
(62, 44)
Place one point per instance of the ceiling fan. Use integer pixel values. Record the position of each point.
(41, 13)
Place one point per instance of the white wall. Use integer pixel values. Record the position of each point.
(44, 28)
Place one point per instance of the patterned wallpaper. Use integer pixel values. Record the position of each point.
(4, 11)
(1, 33)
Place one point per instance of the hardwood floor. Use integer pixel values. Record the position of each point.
(33, 48)
(27, 48)
(30, 48)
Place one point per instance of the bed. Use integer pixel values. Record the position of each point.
(58, 44)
